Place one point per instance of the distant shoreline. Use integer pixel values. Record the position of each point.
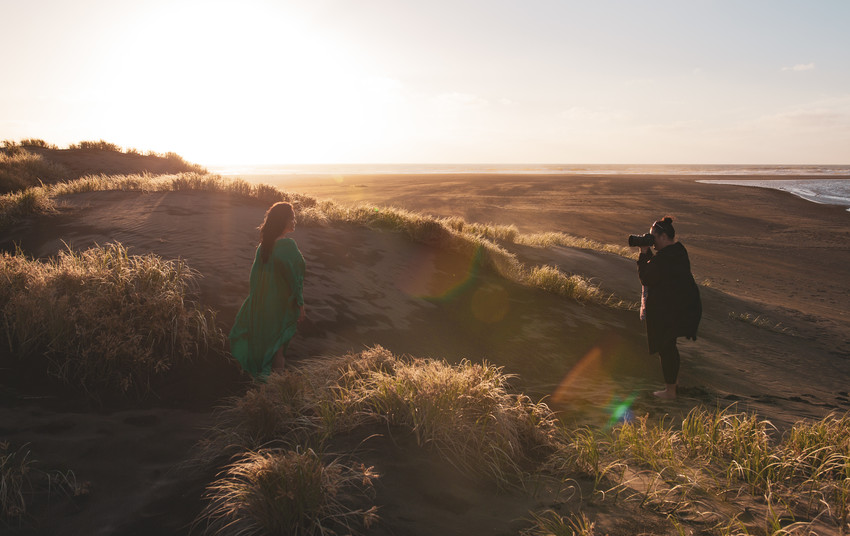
(822, 191)
(835, 171)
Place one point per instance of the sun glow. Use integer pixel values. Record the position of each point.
(224, 84)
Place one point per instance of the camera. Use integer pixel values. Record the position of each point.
(644, 240)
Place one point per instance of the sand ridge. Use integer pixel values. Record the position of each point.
(366, 287)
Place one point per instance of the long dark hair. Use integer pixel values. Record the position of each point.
(276, 220)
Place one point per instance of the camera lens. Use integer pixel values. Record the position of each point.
(644, 240)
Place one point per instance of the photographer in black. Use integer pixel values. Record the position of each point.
(670, 301)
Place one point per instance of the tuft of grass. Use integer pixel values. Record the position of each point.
(35, 142)
(16, 206)
(276, 413)
(653, 446)
(573, 286)
(182, 163)
(101, 318)
(562, 239)
(99, 145)
(551, 523)
(288, 492)
(504, 233)
(761, 321)
(21, 481)
(21, 169)
(15, 468)
(464, 411)
(510, 234)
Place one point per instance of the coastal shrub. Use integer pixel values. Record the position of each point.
(100, 145)
(18, 205)
(35, 142)
(301, 407)
(278, 412)
(464, 411)
(289, 492)
(183, 165)
(101, 318)
(174, 158)
(22, 169)
(189, 181)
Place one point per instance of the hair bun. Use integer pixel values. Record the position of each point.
(668, 219)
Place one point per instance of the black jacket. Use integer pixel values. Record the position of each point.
(673, 306)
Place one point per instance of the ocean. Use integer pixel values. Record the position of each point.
(534, 169)
(822, 184)
(823, 191)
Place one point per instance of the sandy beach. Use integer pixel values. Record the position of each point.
(463, 178)
(753, 251)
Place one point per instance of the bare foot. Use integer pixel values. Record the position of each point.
(669, 393)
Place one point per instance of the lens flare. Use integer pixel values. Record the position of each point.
(621, 410)
(443, 276)
(590, 373)
(580, 369)
(438, 275)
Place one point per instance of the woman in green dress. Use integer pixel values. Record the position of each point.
(267, 320)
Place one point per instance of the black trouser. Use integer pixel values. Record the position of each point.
(669, 360)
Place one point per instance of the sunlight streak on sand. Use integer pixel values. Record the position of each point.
(584, 366)
(588, 367)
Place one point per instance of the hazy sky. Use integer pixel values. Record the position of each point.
(433, 81)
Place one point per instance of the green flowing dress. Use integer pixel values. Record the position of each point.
(268, 318)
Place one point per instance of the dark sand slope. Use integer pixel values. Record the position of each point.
(368, 287)
(764, 245)
(769, 253)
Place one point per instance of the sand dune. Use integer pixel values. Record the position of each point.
(367, 287)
